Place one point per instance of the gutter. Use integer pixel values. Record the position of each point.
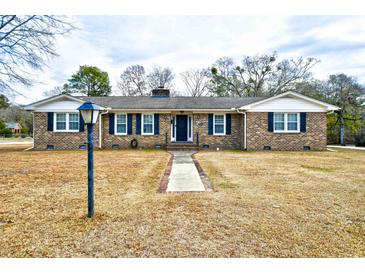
(244, 128)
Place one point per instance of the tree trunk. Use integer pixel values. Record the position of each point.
(342, 129)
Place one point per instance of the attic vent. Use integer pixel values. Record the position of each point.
(50, 147)
(160, 92)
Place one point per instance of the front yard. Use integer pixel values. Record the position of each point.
(265, 204)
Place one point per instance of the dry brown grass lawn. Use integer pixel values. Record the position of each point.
(265, 204)
(301, 204)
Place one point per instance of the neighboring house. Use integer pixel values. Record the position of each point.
(289, 121)
(14, 127)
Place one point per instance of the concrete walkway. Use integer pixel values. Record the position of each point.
(348, 147)
(184, 175)
(16, 143)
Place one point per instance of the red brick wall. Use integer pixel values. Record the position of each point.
(60, 140)
(144, 141)
(232, 141)
(258, 135)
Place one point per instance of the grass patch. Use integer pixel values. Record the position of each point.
(318, 168)
(285, 209)
(266, 205)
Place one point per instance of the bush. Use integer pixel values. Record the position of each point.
(6, 132)
(360, 140)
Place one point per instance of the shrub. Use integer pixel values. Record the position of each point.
(6, 132)
(360, 140)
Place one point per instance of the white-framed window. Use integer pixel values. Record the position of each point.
(73, 121)
(147, 124)
(219, 124)
(120, 124)
(66, 122)
(286, 122)
(279, 121)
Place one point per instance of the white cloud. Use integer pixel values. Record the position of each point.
(181, 42)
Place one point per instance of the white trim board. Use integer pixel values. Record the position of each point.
(51, 99)
(289, 101)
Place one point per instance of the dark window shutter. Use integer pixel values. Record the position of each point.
(130, 123)
(303, 122)
(210, 124)
(156, 124)
(111, 123)
(50, 121)
(270, 118)
(138, 123)
(228, 124)
(81, 123)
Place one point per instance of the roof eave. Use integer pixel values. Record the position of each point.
(295, 94)
(50, 99)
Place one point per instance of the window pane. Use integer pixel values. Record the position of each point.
(148, 123)
(147, 128)
(121, 119)
(121, 128)
(74, 117)
(279, 117)
(61, 117)
(61, 125)
(147, 119)
(73, 126)
(219, 119)
(121, 123)
(73, 121)
(292, 126)
(292, 117)
(219, 129)
(279, 126)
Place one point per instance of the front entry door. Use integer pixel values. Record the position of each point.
(181, 128)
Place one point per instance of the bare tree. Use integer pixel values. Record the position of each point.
(133, 81)
(259, 75)
(16, 113)
(196, 82)
(160, 77)
(56, 91)
(27, 43)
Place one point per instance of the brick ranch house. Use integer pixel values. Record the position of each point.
(289, 121)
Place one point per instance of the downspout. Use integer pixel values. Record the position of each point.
(33, 130)
(100, 127)
(244, 128)
(33, 127)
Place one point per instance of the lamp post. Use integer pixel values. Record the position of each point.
(90, 113)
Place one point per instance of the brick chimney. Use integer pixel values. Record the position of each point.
(161, 92)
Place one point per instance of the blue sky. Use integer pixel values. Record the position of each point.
(182, 42)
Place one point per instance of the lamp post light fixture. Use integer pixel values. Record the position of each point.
(90, 113)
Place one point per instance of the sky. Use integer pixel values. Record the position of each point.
(182, 42)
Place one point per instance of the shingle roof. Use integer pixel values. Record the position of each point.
(11, 125)
(147, 102)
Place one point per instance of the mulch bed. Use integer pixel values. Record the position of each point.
(203, 176)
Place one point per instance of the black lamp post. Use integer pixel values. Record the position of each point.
(90, 113)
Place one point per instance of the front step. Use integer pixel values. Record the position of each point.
(184, 146)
